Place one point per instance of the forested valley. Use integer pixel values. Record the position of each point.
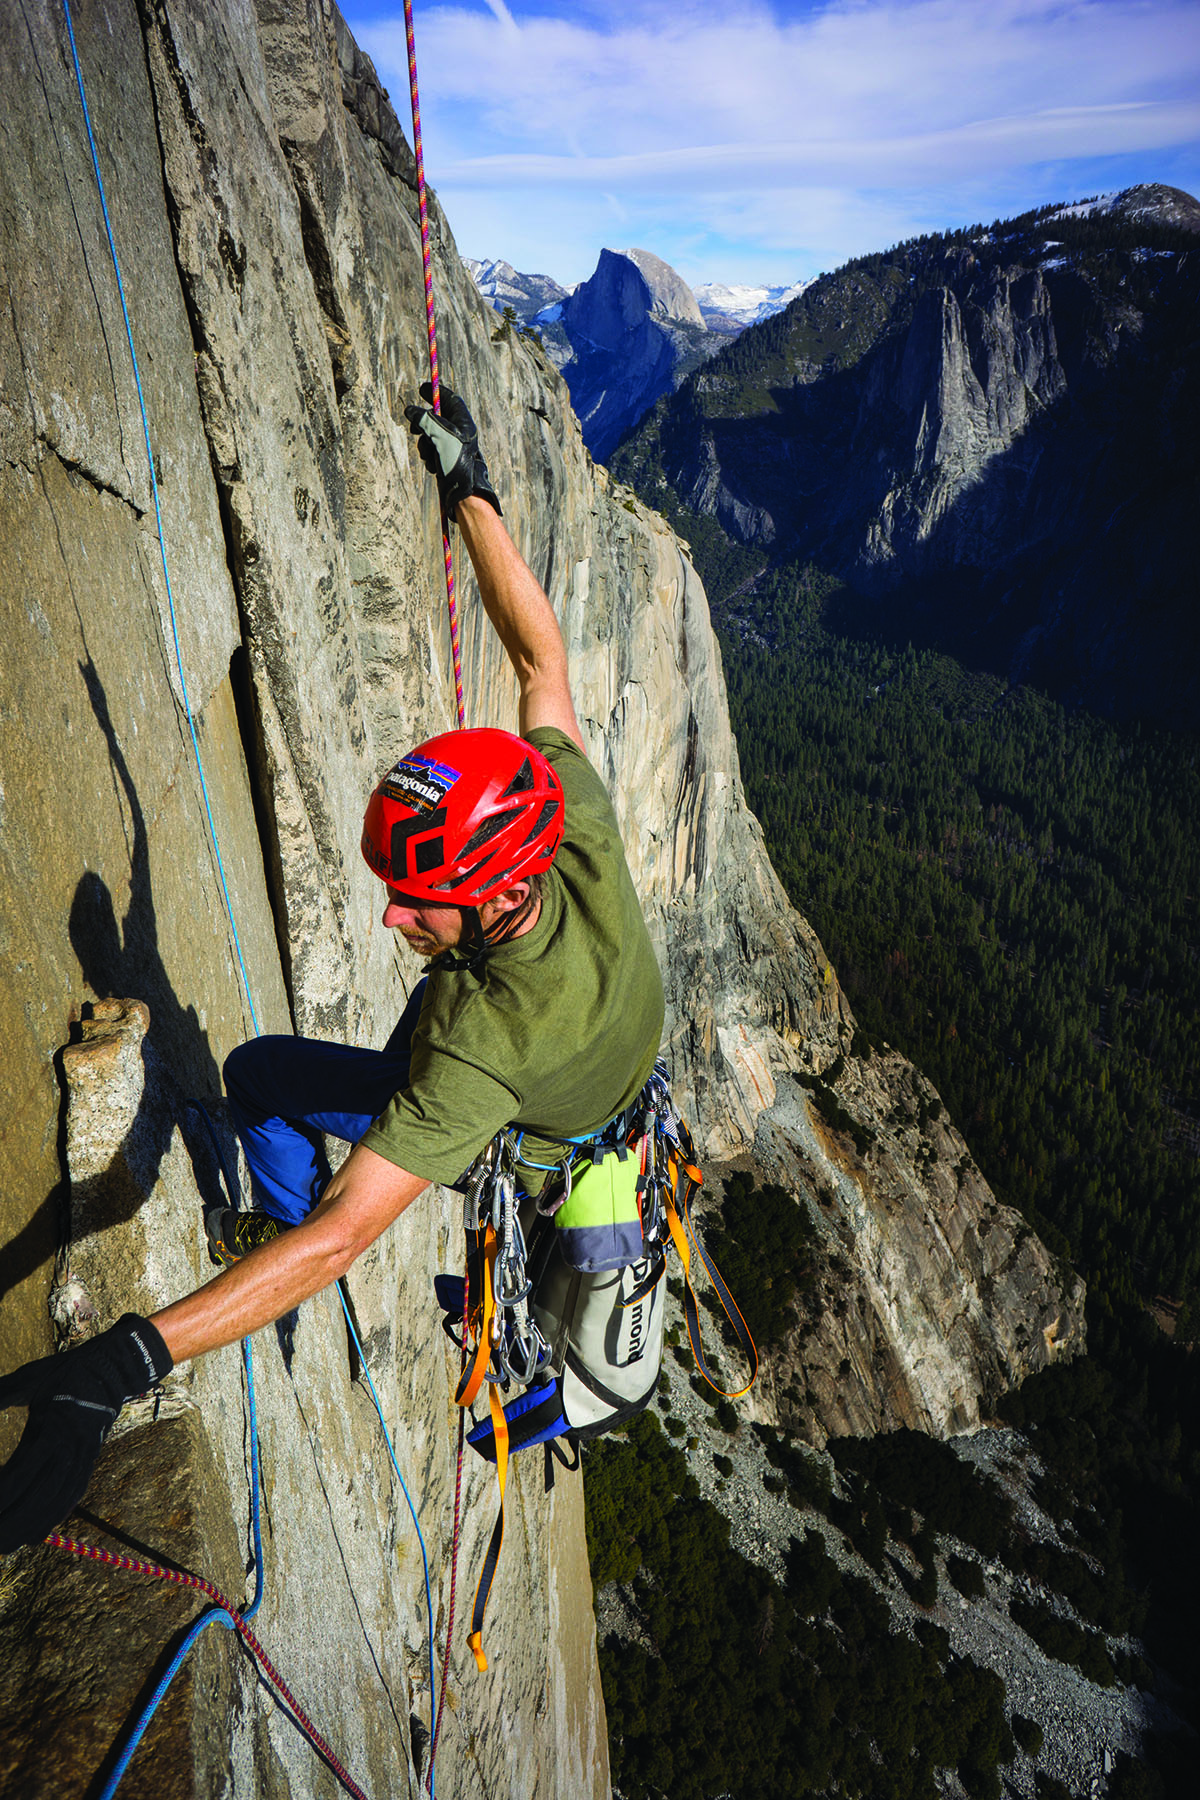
(1008, 892)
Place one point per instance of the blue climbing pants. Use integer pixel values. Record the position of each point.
(285, 1093)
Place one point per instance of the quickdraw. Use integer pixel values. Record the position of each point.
(507, 1345)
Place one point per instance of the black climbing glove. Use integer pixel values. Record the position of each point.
(449, 446)
(73, 1399)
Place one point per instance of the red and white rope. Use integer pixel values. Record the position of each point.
(180, 1578)
(431, 326)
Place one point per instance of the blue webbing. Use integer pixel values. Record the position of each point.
(404, 1486)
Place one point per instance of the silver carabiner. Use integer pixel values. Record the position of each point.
(525, 1356)
(484, 1171)
(549, 1201)
(512, 1284)
(471, 1201)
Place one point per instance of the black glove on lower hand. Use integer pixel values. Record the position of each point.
(73, 1399)
(449, 446)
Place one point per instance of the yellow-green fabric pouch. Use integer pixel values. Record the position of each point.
(599, 1224)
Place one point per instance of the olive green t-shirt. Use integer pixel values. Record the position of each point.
(555, 1031)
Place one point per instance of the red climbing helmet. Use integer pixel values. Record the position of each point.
(463, 816)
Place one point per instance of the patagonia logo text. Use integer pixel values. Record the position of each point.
(420, 783)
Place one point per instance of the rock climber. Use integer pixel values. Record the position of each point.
(542, 1007)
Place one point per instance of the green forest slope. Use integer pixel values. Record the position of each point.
(1006, 885)
(1008, 891)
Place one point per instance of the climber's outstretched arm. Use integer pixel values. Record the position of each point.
(365, 1196)
(74, 1398)
(514, 599)
(523, 617)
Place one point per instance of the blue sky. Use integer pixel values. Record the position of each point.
(766, 140)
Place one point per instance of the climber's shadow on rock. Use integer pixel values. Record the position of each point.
(124, 959)
(121, 958)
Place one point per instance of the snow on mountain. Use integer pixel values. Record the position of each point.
(1083, 209)
(727, 308)
(1148, 201)
(503, 286)
(724, 308)
(744, 305)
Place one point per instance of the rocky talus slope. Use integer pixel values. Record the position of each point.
(261, 196)
(1086, 1726)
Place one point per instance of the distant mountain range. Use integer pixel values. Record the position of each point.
(986, 437)
(731, 309)
(629, 334)
(500, 283)
(723, 308)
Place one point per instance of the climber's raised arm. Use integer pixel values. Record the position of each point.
(523, 618)
(513, 598)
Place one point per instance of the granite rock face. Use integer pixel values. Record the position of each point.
(929, 1298)
(261, 194)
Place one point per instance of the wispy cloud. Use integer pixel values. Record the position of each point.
(726, 126)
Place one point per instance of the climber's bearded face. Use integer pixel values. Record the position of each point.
(426, 929)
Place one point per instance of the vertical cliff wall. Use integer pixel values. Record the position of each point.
(987, 436)
(261, 197)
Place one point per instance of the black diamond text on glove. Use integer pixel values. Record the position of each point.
(449, 447)
(73, 1400)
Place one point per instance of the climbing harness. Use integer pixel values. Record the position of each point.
(575, 1318)
(221, 1611)
(431, 329)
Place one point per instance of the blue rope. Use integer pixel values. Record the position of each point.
(212, 1615)
(215, 1614)
(362, 1357)
(162, 546)
(231, 1188)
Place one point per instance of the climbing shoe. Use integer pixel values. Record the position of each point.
(232, 1234)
